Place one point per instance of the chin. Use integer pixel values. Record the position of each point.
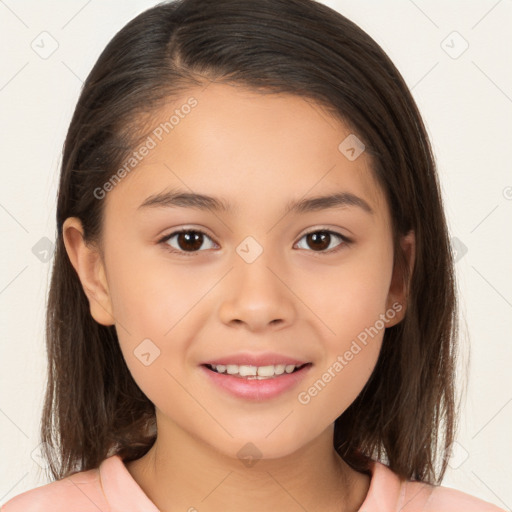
(251, 448)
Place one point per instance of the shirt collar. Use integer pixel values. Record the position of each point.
(124, 493)
(385, 492)
(121, 490)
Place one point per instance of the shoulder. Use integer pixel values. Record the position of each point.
(80, 492)
(389, 492)
(418, 496)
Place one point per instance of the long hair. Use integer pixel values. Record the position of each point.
(406, 414)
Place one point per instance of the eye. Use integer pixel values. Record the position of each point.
(189, 241)
(320, 240)
(186, 241)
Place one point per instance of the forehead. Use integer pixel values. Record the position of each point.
(238, 144)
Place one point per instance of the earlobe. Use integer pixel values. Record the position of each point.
(88, 264)
(401, 279)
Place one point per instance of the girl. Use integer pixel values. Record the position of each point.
(252, 303)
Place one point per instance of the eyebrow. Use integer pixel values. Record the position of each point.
(177, 198)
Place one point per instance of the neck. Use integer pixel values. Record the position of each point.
(183, 473)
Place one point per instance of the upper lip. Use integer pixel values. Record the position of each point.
(262, 359)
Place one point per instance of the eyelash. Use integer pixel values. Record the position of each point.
(166, 238)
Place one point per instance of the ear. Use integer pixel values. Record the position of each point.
(400, 282)
(88, 263)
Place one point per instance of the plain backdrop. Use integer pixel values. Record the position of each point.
(454, 55)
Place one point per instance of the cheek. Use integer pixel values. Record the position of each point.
(350, 296)
(338, 382)
(156, 306)
(351, 305)
(150, 295)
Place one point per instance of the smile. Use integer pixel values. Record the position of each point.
(255, 383)
(255, 372)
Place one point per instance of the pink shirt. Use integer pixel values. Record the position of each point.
(111, 488)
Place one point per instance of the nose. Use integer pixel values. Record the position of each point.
(256, 296)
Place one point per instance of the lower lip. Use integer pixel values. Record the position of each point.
(254, 389)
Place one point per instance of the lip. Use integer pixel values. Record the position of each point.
(261, 359)
(254, 389)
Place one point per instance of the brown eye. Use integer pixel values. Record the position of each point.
(321, 240)
(187, 240)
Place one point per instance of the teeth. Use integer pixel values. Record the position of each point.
(265, 371)
(257, 372)
(279, 369)
(245, 371)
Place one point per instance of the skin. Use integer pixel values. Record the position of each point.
(259, 152)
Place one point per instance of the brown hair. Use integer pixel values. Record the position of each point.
(406, 414)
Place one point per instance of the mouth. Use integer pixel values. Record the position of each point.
(255, 383)
(250, 372)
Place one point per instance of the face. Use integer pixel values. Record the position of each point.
(255, 284)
